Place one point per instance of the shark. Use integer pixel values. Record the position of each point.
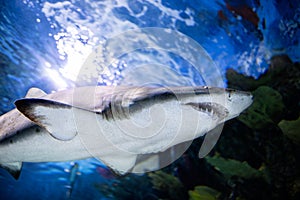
(127, 128)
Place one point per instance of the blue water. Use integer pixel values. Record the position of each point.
(44, 44)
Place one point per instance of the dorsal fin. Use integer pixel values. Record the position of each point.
(35, 93)
(57, 118)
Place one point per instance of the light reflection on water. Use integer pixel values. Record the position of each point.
(48, 41)
(75, 41)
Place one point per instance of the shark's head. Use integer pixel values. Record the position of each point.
(208, 108)
(236, 102)
(213, 106)
(217, 104)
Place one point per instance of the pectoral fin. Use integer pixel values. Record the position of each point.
(159, 160)
(210, 140)
(120, 163)
(57, 118)
(147, 163)
(13, 168)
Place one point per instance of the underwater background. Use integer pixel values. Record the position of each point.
(253, 43)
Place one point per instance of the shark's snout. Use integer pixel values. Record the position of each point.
(237, 102)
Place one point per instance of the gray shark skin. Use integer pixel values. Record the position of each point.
(115, 124)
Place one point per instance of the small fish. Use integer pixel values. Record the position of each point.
(245, 12)
(123, 126)
(74, 172)
(105, 172)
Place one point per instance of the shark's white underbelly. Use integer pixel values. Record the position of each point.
(35, 144)
(154, 130)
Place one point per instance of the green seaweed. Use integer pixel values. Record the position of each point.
(291, 129)
(267, 108)
(282, 75)
(168, 185)
(202, 192)
(131, 187)
(230, 168)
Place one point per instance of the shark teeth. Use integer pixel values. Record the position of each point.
(212, 109)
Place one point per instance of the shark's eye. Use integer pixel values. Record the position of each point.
(213, 109)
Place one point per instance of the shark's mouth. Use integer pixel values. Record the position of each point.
(214, 110)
